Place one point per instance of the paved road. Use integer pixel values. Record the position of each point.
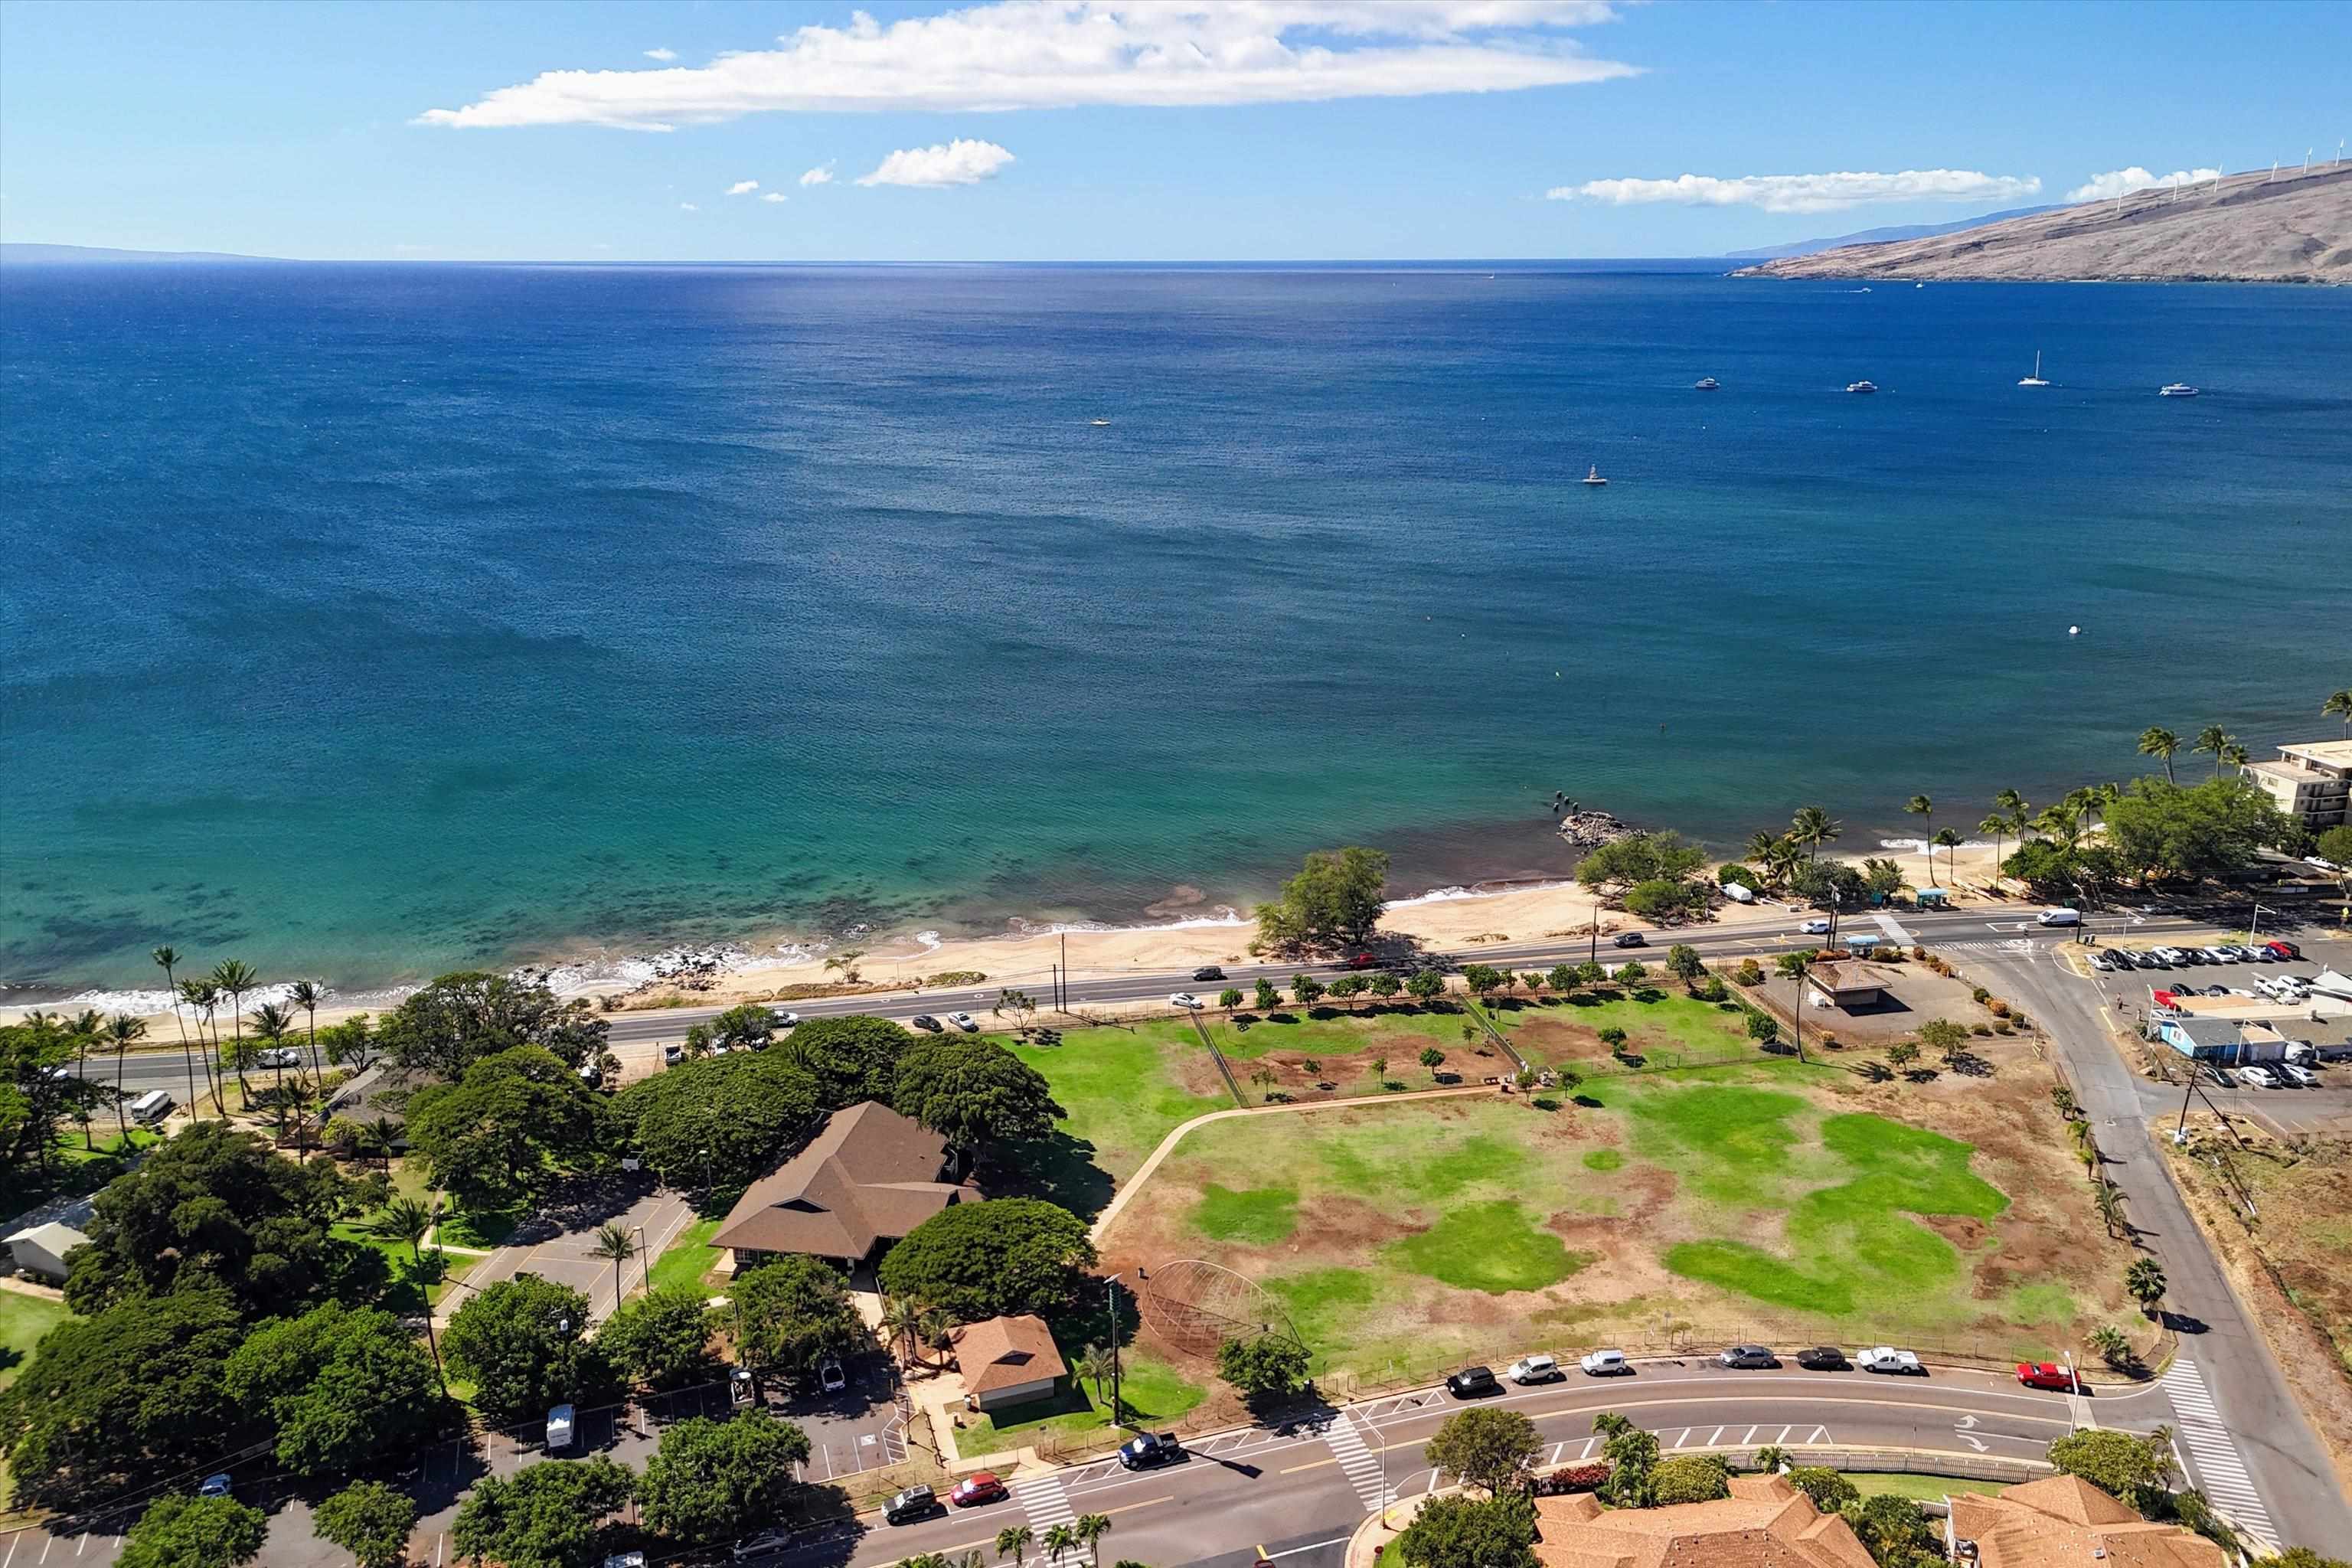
(2245, 1416)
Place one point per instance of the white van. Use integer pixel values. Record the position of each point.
(2060, 917)
(152, 1107)
(558, 1428)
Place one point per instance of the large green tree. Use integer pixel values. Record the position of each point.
(182, 1531)
(2160, 829)
(493, 1134)
(2129, 1466)
(212, 1206)
(1268, 1366)
(369, 1520)
(122, 1396)
(852, 1059)
(1337, 896)
(1492, 1447)
(458, 1019)
(1689, 1478)
(1640, 857)
(40, 1092)
(1893, 1530)
(662, 1338)
(984, 1259)
(339, 1385)
(713, 1481)
(1468, 1532)
(974, 1094)
(545, 1516)
(793, 1314)
(719, 1121)
(520, 1344)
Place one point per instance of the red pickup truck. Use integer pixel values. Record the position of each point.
(2045, 1374)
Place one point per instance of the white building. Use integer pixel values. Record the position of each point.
(2309, 782)
(41, 1249)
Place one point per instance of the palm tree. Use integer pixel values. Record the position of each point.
(204, 996)
(272, 1024)
(2113, 1347)
(2236, 755)
(165, 958)
(1059, 1538)
(1920, 806)
(1947, 839)
(1093, 1365)
(2144, 1282)
(1014, 1542)
(2014, 804)
(2338, 706)
(2213, 738)
(846, 962)
(122, 1028)
(1812, 828)
(2062, 822)
(2109, 1203)
(382, 1134)
(84, 1033)
(405, 1219)
(902, 1319)
(1090, 1529)
(234, 978)
(2159, 742)
(936, 1327)
(1995, 825)
(1781, 860)
(613, 1241)
(1760, 845)
(306, 994)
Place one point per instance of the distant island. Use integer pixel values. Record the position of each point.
(2290, 228)
(1880, 236)
(22, 255)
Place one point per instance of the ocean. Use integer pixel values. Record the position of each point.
(367, 621)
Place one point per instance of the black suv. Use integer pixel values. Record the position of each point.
(1748, 1356)
(915, 1502)
(1822, 1358)
(1208, 971)
(1472, 1381)
(1149, 1451)
(925, 1021)
(1632, 938)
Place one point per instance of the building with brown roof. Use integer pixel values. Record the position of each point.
(869, 1177)
(1007, 1361)
(1764, 1524)
(2065, 1520)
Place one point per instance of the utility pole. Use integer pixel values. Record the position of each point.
(1065, 1003)
(1110, 1296)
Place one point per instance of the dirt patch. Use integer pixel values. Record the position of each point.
(1345, 1227)
(1962, 1231)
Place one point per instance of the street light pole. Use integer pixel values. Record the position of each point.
(1110, 1296)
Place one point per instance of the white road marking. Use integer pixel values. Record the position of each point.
(1716, 1437)
(1681, 1440)
(1362, 1466)
(2226, 1484)
(1751, 1436)
(1317, 1546)
(1045, 1502)
(14, 1541)
(1589, 1444)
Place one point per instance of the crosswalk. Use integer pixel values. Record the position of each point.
(2226, 1484)
(1046, 1502)
(1357, 1458)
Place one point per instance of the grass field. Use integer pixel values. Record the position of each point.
(23, 1320)
(1154, 1393)
(1125, 1088)
(1663, 1026)
(689, 1257)
(1918, 1489)
(1765, 1196)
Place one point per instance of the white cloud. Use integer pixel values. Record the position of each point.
(958, 162)
(1059, 54)
(775, 197)
(661, 54)
(2122, 182)
(1806, 192)
(820, 175)
(687, 207)
(742, 187)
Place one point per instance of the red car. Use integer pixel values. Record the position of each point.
(2045, 1374)
(1362, 960)
(977, 1489)
(2283, 950)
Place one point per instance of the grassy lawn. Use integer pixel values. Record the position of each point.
(1918, 1489)
(1663, 1025)
(483, 1230)
(1152, 1391)
(414, 1284)
(23, 1320)
(688, 1259)
(1125, 1090)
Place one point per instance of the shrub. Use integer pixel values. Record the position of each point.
(955, 977)
(1735, 872)
(2003, 1029)
(1713, 990)
(1996, 1007)
(1981, 994)
(1573, 1478)
(1980, 1029)
(1690, 1478)
(1918, 951)
(1751, 972)
(1829, 1490)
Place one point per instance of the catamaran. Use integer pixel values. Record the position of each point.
(2035, 379)
(1860, 387)
(1706, 383)
(2176, 389)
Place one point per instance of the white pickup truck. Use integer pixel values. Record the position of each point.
(1887, 1358)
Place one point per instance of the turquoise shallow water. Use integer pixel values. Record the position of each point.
(367, 620)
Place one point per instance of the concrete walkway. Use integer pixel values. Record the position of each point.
(1134, 1184)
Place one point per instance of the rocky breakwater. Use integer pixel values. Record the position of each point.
(1590, 829)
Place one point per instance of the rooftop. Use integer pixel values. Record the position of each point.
(2066, 1520)
(1003, 1351)
(2328, 753)
(1848, 976)
(870, 1175)
(1764, 1524)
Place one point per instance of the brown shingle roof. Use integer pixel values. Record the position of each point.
(1001, 1352)
(1764, 1524)
(2065, 1519)
(870, 1175)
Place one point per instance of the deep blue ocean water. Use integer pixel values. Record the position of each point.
(365, 620)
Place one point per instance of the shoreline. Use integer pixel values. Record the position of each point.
(1458, 917)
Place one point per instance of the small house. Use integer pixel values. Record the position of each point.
(1850, 987)
(41, 1249)
(1008, 1360)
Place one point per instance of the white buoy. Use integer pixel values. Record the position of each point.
(2073, 631)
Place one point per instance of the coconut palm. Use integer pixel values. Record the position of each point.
(613, 1241)
(2161, 743)
(1812, 828)
(846, 962)
(382, 1134)
(1920, 806)
(1094, 1366)
(166, 958)
(1946, 839)
(935, 1328)
(1059, 1538)
(1090, 1529)
(2236, 755)
(2014, 804)
(84, 1031)
(204, 997)
(307, 994)
(271, 1024)
(2062, 822)
(1759, 844)
(1014, 1542)
(1781, 861)
(232, 978)
(2213, 738)
(405, 1219)
(2109, 1203)
(120, 1030)
(902, 1321)
(1996, 824)
(2338, 706)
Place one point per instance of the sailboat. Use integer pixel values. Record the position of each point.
(1593, 477)
(2035, 379)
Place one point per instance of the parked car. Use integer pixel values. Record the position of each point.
(831, 1378)
(1822, 1358)
(1535, 1369)
(1183, 999)
(2045, 1374)
(2286, 952)
(2258, 1078)
(2109, 962)
(673, 1054)
(2179, 955)
(2302, 1078)
(1632, 939)
(1887, 1358)
(1746, 1356)
(1606, 1364)
(767, 1543)
(1473, 1382)
(1814, 928)
(978, 1487)
(915, 1502)
(2215, 1076)
(1362, 960)
(215, 1486)
(1208, 971)
(2214, 955)
(925, 1021)
(783, 1018)
(2241, 954)
(1149, 1451)
(964, 1021)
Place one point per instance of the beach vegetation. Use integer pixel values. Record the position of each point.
(1337, 897)
(2211, 829)
(974, 1094)
(662, 1338)
(673, 1121)
(1828, 882)
(1734, 872)
(790, 1315)
(369, 1520)
(1881, 878)
(544, 1516)
(182, 1531)
(1662, 900)
(712, 1481)
(522, 1343)
(992, 1258)
(1640, 857)
(456, 1020)
(844, 963)
(2160, 743)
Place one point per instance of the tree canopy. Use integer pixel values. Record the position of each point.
(852, 1059)
(1267, 1367)
(1640, 857)
(339, 1385)
(131, 1393)
(491, 1136)
(458, 1019)
(1689, 1478)
(38, 1092)
(182, 1531)
(215, 1207)
(662, 1338)
(974, 1094)
(985, 1259)
(1466, 1532)
(719, 1121)
(1337, 896)
(1491, 1448)
(719, 1480)
(2127, 1467)
(520, 1344)
(369, 1520)
(2159, 829)
(791, 1314)
(544, 1516)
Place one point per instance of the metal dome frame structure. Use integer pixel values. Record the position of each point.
(1194, 1306)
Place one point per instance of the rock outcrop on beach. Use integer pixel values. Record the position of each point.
(1592, 830)
(2293, 228)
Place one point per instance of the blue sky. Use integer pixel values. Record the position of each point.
(1177, 129)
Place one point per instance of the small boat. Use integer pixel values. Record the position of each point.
(2176, 389)
(1706, 383)
(1860, 387)
(1098, 424)
(1593, 477)
(2035, 379)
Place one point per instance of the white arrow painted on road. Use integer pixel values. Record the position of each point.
(1967, 1420)
(1964, 1434)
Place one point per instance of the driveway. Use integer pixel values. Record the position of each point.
(558, 1241)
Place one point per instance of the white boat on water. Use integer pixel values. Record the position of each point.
(1593, 477)
(1706, 383)
(1860, 387)
(2176, 389)
(2035, 379)
(1098, 424)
